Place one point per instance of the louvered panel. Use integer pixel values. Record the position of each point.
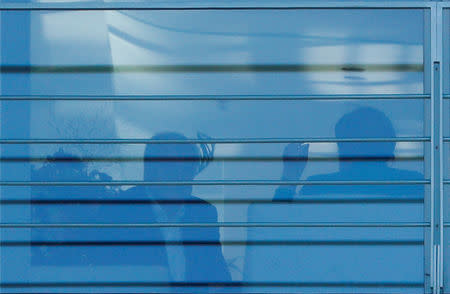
(197, 147)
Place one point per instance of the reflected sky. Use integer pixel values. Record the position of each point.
(173, 52)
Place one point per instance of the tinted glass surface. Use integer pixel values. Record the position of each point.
(217, 194)
(193, 53)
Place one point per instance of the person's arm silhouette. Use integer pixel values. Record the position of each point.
(295, 156)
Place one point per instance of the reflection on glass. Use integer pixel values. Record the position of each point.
(446, 257)
(174, 254)
(328, 257)
(65, 167)
(357, 160)
(158, 254)
(191, 52)
(175, 204)
(231, 119)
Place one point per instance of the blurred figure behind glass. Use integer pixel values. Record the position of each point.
(191, 254)
(358, 161)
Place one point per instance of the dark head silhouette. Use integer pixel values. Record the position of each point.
(171, 162)
(343, 202)
(176, 162)
(365, 122)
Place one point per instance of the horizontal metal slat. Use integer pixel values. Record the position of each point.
(233, 4)
(217, 97)
(212, 201)
(412, 242)
(181, 158)
(215, 141)
(212, 183)
(227, 225)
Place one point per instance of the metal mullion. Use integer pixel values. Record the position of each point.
(439, 44)
(427, 88)
(435, 207)
(437, 135)
(436, 154)
(433, 283)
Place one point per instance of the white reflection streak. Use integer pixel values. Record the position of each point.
(403, 149)
(145, 43)
(364, 82)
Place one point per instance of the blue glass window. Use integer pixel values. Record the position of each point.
(216, 150)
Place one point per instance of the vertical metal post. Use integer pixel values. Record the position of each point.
(433, 54)
(437, 180)
(436, 147)
(440, 132)
(435, 175)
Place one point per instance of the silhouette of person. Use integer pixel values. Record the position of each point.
(66, 167)
(191, 254)
(335, 259)
(357, 160)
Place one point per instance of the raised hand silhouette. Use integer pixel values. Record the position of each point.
(295, 157)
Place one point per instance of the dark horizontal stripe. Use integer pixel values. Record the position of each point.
(218, 284)
(213, 243)
(197, 68)
(214, 201)
(216, 158)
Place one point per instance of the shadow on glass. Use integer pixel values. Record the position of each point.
(330, 258)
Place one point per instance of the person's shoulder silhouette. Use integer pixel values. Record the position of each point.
(168, 163)
(365, 161)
